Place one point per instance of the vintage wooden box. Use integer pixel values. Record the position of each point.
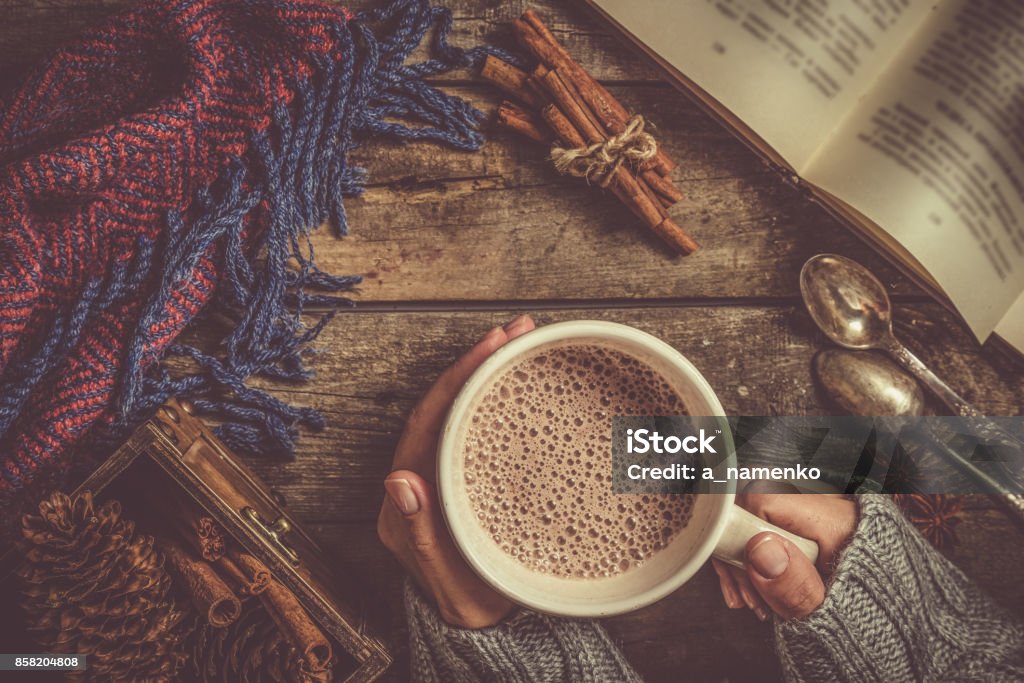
(176, 449)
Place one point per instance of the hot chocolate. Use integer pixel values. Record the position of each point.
(537, 456)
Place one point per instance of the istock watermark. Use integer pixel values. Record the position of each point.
(843, 454)
(641, 441)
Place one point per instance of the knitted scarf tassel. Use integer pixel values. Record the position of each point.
(243, 239)
(303, 177)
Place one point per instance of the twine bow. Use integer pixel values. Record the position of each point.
(602, 159)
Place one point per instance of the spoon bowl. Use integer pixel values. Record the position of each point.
(868, 383)
(847, 302)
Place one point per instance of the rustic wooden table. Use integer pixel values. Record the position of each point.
(452, 243)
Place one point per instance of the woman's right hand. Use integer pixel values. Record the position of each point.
(777, 575)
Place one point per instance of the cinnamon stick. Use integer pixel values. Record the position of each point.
(533, 82)
(517, 119)
(571, 107)
(667, 191)
(570, 102)
(625, 187)
(210, 595)
(247, 573)
(649, 212)
(297, 626)
(562, 126)
(232, 574)
(538, 73)
(535, 36)
(511, 80)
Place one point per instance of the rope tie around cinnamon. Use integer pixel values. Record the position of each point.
(601, 160)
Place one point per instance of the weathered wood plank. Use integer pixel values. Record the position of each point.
(376, 365)
(501, 224)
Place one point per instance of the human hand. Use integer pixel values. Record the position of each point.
(410, 524)
(777, 575)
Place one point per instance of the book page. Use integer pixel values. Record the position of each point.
(935, 155)
(1011, 327)
(790, 69)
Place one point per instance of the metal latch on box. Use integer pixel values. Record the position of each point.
(273, 532)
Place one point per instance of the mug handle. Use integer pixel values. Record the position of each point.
(743, 526)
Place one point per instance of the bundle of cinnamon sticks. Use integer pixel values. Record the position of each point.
(559, 102)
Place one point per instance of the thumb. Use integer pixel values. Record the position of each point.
(414, 498)
(783, 575)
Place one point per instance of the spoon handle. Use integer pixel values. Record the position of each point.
(1013, 503)
(917, 367)
(1007, 494)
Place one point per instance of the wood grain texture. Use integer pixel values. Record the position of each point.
(502, 224)
(374, 366)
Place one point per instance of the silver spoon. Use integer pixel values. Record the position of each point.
(853, 309)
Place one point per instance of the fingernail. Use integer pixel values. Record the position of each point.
(515, 324)
(492, 333)
(401, 494)
(769, 558)
(762, 615)
(732, 601)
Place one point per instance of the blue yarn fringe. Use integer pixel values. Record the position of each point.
(300, 170)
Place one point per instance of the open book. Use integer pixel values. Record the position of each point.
(905, 117)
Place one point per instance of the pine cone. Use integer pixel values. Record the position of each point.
(92, 586)
(250, 650)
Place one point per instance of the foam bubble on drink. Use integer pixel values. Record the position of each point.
(537, 455)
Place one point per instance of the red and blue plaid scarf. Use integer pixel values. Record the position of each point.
(171, 162)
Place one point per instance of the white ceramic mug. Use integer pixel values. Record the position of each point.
(717, 526)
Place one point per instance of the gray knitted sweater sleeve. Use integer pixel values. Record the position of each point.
(896, 610)
(525, 648)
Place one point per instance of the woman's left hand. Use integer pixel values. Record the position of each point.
(410, 524)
